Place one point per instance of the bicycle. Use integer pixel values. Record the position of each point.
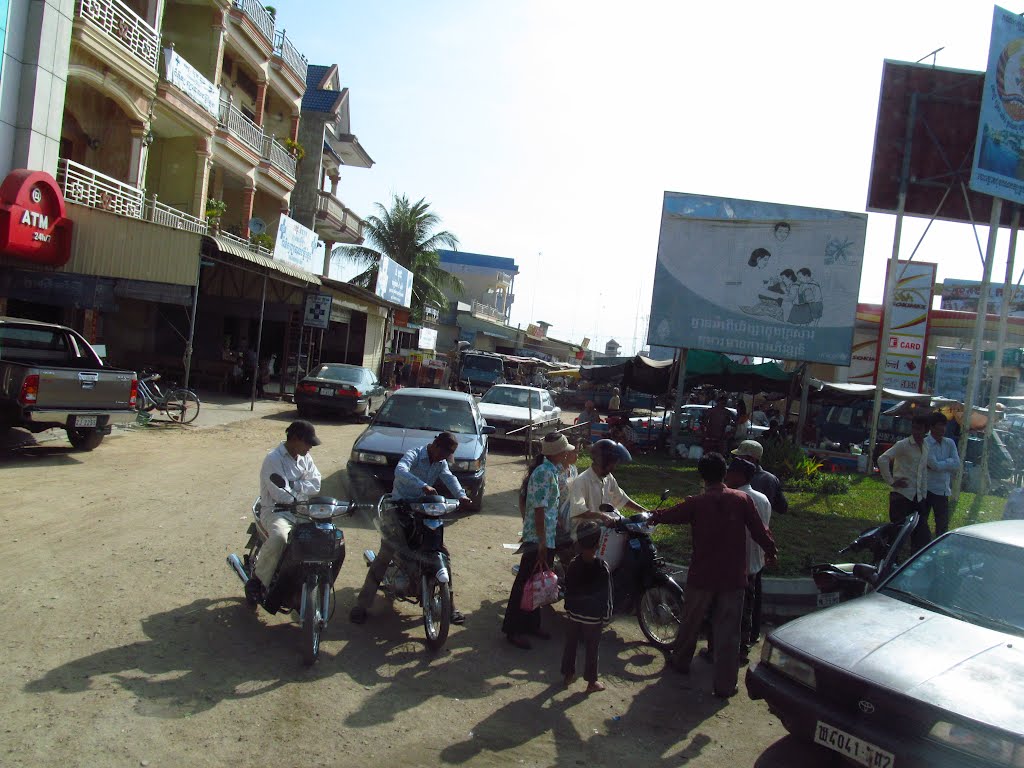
(180, 405)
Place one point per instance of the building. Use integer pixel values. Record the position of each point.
(611, 349)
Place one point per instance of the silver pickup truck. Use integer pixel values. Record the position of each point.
(51, 377)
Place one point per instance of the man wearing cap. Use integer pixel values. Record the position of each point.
(290, 460)
(763, 481)
(739, 476)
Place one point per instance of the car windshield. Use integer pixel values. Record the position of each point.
(432, 414)
(975, 580)
(523, 398)
(483, 364)
(340, 373)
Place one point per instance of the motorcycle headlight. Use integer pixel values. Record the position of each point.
(433, 509)
(467, 466)
(321, 511)
(979, 742)
(791, 667)
(365, 457)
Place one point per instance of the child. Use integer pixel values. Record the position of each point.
(588, 604)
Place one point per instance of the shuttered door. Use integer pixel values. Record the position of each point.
(373, 349)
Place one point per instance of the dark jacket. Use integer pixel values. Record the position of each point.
(588, 591)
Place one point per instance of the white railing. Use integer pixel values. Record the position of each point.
(290, 55)
(84, 186)
(504, 278)
(489, 312)
(279, 156)
(259, 16)
(124, 25)
(240, 126)
(247, 244)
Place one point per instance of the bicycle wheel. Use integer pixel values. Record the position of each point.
(182, 406)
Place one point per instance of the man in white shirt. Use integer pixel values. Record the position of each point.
(943, 462)
(290, 460)
(597, 485)
(739, 475)
(904, 468)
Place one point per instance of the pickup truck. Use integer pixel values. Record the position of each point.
(51, 377)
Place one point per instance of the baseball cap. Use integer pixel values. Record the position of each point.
(750, 448)
(743, 467)
(304, 431)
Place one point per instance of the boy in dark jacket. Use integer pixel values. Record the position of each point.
(588, 604)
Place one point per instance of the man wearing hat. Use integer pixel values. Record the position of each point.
(763, 481)
(738, 476)
(290, 460)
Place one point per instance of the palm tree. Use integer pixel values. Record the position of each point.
(405, 233)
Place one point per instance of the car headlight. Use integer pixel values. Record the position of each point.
(791, 667)
(979, 742)
(364, 457)
(467, 466)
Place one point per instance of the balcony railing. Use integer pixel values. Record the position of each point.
(290, 55)
(490, 313)
(240, 126)
(278, 156)
(332, 207)
(85, 186)
(247, 244)
(124, 25)
(258, 15)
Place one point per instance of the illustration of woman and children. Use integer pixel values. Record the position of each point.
(790, 297)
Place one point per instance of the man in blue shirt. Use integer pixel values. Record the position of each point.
(943, 461)
(416, 475)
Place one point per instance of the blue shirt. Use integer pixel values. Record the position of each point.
(414, 470)
(943, 461)
(542, 491)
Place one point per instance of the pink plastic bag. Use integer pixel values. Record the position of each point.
(541, 589)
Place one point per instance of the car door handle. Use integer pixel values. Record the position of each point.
(88, 379)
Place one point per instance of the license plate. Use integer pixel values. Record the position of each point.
(856, 749)
(85, 421)
(327, 391)
(825, 599)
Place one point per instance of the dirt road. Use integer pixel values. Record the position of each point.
(126, 642)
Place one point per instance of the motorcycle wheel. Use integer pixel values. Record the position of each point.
(660, 613)
(312, 622)
(437, 611)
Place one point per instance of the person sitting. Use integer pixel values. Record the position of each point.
(588, 417)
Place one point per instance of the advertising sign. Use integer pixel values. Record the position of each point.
(394, 282)
(191, 81)
(903, 351)
(428, 338)
(963, 295)
(863, 357)
(33, 221)
(998, 168)
(952, 367)
(753, 278)
(295, 244)
(318, 311)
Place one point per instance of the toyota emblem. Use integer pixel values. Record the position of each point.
(866, 707)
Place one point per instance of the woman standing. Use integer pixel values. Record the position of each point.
(539, 525)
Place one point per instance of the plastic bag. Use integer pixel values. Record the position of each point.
(541, 589)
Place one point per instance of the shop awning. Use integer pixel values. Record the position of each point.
(225, 245)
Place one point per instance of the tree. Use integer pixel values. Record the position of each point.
(406, 234)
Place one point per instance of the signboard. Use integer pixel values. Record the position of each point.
(963, 295)
(753, 278)
(318, 311)
(534, 331)
(33, 222)
(394, 282)
(295, 244)
(903, 352)
(998, 168)
(191, 82)
(428, 338)
(952, 367)
(863, 357)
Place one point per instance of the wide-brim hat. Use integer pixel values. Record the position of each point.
(555, 447)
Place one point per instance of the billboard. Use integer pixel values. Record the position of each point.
(952, 367)
(394, 282)
(864, 356)
(963, 295)
(753, 278)
(907, 344)
(295, 244)
(998, 168)
(428, 338)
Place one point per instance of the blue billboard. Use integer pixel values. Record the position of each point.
(394, 282)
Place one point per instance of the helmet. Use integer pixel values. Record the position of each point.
(607, 450)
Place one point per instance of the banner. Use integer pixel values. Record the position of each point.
(761, 279)
(952, 367)
(295, 244)
(428, 338)
(318, 311)
(998, 168)
(191, 82)
(905, 348)
(394, 282)
(963, 295)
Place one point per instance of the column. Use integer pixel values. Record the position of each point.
(261, 101)
(294, 133)
(248, 197)
(334, 184)
(328, 247)
(202, 180)
(136, 164)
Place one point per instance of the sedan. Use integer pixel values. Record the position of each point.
(510, 407)
(411, 418)
(339, 388)
(927, 670)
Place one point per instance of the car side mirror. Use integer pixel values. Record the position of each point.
(488, 430)
(866, 572)
(277, 480)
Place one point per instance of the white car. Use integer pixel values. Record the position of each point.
(509, 407)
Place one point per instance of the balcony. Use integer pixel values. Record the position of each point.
(487, 313)
(241, 127)
(290, 55)
(279, 157)
(127, 28)
(247, 244)
(84, 186)
(259, 16)
(335, 222)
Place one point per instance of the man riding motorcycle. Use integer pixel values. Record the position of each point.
(597, 485)
(415, 476)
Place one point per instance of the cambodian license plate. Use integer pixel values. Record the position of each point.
(327, 391)
(825, 599)
(856, 749)
(85, 421)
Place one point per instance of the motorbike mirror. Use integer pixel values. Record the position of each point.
(607, 508)
(277, 480)
(866, 572)
(665, 494)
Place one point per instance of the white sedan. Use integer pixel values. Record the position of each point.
(509, 407)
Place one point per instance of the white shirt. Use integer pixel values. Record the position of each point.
(300, 474)
(943, 461)
(589, 492)
(755, 555)
(910, 462)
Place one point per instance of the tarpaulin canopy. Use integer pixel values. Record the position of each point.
(654, 377)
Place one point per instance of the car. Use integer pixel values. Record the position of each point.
(340, 388)
(691, 424)
(509, 407)
(412, 417)
(925, 670)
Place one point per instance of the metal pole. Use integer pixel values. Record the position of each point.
(979, 334)
(801, 418)
(677, 407)
(192, 323)
(348, 332)
(259, 344)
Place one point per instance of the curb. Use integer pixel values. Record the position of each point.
(781, 599)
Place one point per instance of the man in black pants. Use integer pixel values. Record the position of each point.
(904, 467)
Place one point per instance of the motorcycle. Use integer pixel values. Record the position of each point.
(641, 583)
(419, 571)
(840, 582)
(304, 580)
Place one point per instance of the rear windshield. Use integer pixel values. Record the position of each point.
(31, 345)
(341, 373)
(432, 414)
(484, 364)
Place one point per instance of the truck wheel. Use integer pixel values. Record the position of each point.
(85, 439)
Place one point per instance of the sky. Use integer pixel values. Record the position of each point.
(547, 131)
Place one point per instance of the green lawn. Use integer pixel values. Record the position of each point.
(814, 530)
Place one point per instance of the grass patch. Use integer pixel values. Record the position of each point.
(816, 527)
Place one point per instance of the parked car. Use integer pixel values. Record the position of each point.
(339, 388)
(509, 407)
(691, 425)
(926, 670)
(411, 418)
